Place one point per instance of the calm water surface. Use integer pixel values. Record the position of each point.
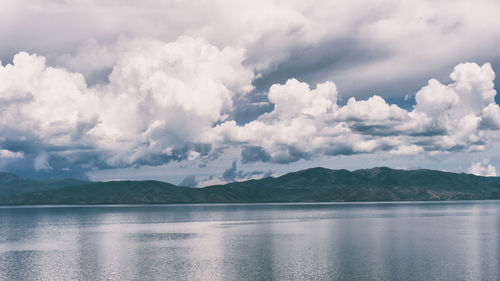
(366, 241)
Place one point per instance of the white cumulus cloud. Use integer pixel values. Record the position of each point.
(483, 168)
(172, 100)
(7, 154)
(160, 98)
(460, 116)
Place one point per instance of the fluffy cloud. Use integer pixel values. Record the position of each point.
(483, 168)
(163, 96)
(346, 40)
(305, 123)
(101, 98)
(173, 101)
(7, 154)
(160, 98)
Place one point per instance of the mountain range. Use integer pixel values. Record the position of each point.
(311, 185)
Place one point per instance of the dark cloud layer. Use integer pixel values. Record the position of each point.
(233, 174)
(251, 154)
(189, 181)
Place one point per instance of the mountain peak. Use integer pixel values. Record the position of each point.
(9, 177)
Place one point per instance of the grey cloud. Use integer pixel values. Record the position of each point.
(178, 154)
(345, 41)
(16, 97)
(189, 181)
(232, 173)
(250, 106)
(60, 167)
(251, 154)
(489, 124)
(64, 161)
(375, 129)
(391, 128)
(340, 149)
(311, 63)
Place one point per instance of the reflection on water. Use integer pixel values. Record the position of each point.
(365, 241)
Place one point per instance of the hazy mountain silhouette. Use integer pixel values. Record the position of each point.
(311, 185)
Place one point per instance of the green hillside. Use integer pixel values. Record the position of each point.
(11, 184)
(311, 185)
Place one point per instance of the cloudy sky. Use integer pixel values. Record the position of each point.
(203, 92)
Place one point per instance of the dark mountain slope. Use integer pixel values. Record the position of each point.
(11, 184)
(108, 193)
(311, 185)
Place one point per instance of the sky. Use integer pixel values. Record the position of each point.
(207, 92)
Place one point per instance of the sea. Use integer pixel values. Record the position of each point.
(454, 240)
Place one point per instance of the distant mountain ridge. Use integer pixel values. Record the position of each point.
(12, 184)
(311, 185)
